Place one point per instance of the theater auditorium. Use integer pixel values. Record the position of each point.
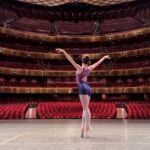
(75, 74)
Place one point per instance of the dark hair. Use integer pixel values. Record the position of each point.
(86, 60)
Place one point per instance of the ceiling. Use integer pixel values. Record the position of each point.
(61, 2)
(74, 19)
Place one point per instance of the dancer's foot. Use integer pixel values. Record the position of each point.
(82, 133)
(88, 128)
(87, 134)
(87, 131)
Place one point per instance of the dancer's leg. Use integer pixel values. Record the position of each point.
(86, 115)
(83, 120)
(82, 124)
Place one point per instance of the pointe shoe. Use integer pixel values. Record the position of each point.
(87, 134)
(90, 128)
(82, 133)
(87, 131)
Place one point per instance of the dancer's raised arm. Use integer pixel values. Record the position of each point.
(91, 67)
(77, 66)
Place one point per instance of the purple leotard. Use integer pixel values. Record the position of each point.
(84, 88)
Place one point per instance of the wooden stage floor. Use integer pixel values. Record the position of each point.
(64, 134)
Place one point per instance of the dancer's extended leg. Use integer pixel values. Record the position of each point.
(86, 115)
(83, 120)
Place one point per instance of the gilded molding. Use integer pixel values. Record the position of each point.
(61, 73)
(64, 90)
(75, 38)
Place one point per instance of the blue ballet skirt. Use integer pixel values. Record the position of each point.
(84, 88)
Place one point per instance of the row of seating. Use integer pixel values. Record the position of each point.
(64, 27)
(74, 110)
(99, 49)
(138, 110)
(73, 84)
(13, 110)
(126, 23)
(71, 80)
(139, 64)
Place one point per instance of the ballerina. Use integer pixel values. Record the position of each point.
(82, 73)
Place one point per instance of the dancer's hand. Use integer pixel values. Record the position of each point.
(107, 57)
(60, 50)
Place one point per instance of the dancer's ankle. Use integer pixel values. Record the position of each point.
(87, 129)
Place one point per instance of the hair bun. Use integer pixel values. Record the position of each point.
(86, 60)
